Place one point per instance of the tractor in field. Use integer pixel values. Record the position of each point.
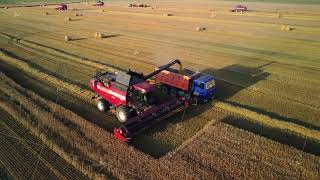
(99, 3)
(239, 8)
(62, 7)
(138, 100)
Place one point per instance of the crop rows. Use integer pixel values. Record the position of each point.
(235, 153)
(267, 85)
(74, 89)
(18, 159)
(82, 136)
(288, 93)
(61, 168)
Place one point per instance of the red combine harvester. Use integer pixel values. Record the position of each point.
(62, 7)
(239, 8)
(138, 101)
(99, 3)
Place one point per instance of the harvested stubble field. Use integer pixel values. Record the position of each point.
(264, 123)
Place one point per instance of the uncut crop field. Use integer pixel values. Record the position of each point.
(268, 98)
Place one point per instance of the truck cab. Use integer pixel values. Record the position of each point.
(204, 88)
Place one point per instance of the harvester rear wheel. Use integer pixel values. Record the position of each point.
(194, 101)
(122, 114)
(173, 92)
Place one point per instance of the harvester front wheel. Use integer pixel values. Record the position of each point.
(102, 105)
(122, 114)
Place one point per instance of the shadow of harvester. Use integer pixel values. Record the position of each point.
(152, 141)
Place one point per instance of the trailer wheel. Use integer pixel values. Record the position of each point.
(173, 92)
(122, 114)
(102, 105)
(194, 101)
(164, 89)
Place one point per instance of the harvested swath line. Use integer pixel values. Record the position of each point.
(275, 123)
(63, 54)
(114, 159)
(238, 153)
(50, 143)
(56, 128)
(12, 153)
(4, 172)
(34, 152)
(66, 169)
(84, 94)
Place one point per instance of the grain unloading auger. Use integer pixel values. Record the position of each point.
(139, 100)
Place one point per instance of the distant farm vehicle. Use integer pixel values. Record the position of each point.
(99, 3)
(239, 8)
(138, 100)
(62, 7)
(138, 5)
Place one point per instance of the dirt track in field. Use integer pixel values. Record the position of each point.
(263, 74)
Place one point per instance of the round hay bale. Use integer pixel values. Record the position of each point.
(167, 14)
(99, 35)
(286, 28)
(102, 10)
(6, 7)
(136, 52)
(279, 15)
(213, 15)
(67, 19)
(46, 13)
(67, 38)
(78, 14)
(198, 28)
